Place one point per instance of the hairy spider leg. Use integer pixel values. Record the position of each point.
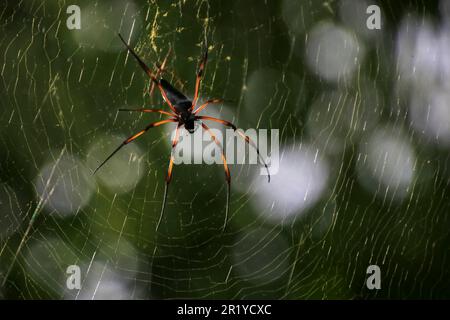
(227, 172)
(243, 136)
(134, 137)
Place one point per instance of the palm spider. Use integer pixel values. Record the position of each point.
(183, 114)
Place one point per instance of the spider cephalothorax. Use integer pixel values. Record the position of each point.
(183, 106)
(184, 115)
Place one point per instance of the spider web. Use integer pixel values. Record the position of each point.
(364, 139)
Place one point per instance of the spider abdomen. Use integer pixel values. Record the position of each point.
(183, 107)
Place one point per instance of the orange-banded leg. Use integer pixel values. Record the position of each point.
(200, 73)
(150, 111)
(160, 69)
(169, 173)
(149, 73)
(139, 60)
(243, 136)
(134, 137)
(204, 105)
(227, 171)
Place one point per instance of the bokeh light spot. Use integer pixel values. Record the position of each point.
(386, 164)
(299, 183)
(332, 52)
(64, 185)
(124, 170)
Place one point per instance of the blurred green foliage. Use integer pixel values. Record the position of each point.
(57, 91)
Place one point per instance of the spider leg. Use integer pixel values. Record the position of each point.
(134, 137)
(169, 173)
(160, 69)
(139, 60)
(203, 106)
(200, 72)
(243, 136)
(149, 73)
(227, 172)
(150, 110)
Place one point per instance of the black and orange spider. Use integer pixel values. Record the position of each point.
(183, 114)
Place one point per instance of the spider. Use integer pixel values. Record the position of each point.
(182, 113)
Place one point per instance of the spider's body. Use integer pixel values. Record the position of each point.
(184, 115)
(188, 120)
(183, 106)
